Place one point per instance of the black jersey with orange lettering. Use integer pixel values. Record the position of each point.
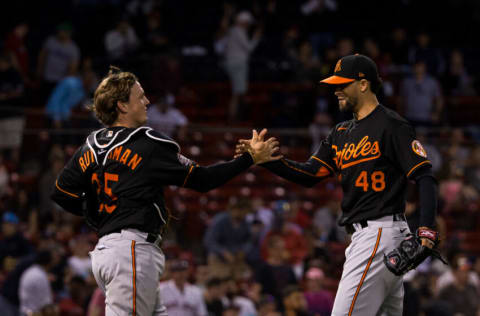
(373, 158)
(116, 179)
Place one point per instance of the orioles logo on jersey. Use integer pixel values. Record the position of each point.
(418, 149)
(352, 154)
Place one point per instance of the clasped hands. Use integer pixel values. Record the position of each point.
(261, 150)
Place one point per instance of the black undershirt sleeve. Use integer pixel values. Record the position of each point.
(428, 196)
(206, 178)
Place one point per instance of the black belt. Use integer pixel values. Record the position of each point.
(152, 238)
(363, 223)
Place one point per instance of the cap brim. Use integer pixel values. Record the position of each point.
(337, 80)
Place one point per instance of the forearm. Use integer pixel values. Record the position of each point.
(204, 179)
(427, 188)
(307, 174)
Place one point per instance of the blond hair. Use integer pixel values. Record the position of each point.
(115, 87)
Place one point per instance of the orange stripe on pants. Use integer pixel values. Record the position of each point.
(134, 281)
(379, 235)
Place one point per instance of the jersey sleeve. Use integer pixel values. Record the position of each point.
(404, 149)
(169, 167)
(319, 166)
(70, 187)
(172, 168)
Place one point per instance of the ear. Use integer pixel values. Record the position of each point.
(122, 107)
(364, 85)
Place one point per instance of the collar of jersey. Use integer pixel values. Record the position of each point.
(377, 108)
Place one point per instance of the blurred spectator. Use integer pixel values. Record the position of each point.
(292, 235)
(325, 219)
(77, 293)
(68, 93)
(398, 48)
(433, 153)
(13, 245)
(156, 38)
(237, 53)
(12, 118)
(227, 238)
(422, 99)
(4, 176)
(460, 294)
(121, 42)
(254, 253)
(345, 46)
(319, 301)
(16, 48)
(294, 302)
(35, 291)
(458, 151)
(164, 117)
(267, 306)
(213, 296)
(231, 310)
(319, 18)
(456, 81)
(274, 274)
(449, 277)
(235, 298)
(59, 58)
(307, 65)
(202, 275)
(431, 56)
(11, 282)
(56, 159)
(79, 262)
(180, 297)
(473, 165)
(96, 307)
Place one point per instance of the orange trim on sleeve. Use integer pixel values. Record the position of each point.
(134, 313)
(188, 175)
(418, 165)
(299, 170)
(365, 272)
(62, 190)
(326, 164)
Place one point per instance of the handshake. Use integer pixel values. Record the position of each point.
(261, 150)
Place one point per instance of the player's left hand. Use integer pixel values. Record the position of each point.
(412, 251)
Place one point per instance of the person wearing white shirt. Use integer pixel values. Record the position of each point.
(35, 291)
(121, 41)
(179, 297)
(164, 117)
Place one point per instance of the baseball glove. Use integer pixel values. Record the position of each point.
(410, 253)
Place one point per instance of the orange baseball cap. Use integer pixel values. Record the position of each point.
(353, 67)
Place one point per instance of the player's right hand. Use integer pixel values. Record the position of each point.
(260, 150)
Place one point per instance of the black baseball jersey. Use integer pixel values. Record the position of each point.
(116, 178)
(372, 158)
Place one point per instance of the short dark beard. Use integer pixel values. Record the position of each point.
(350, 105)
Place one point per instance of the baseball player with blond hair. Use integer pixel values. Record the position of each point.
(116, 181)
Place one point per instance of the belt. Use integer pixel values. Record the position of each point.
(351, 228)
(155, 239)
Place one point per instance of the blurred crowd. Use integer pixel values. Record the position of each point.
(253, 247)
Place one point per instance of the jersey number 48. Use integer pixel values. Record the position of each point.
(377, 181)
